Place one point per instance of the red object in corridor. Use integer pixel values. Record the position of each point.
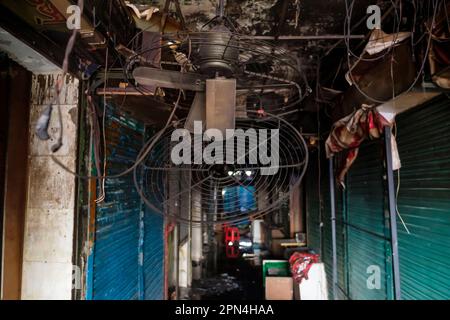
(232, 237)
(300, 263)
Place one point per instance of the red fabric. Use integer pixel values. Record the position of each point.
(349, 132)
(300, 263)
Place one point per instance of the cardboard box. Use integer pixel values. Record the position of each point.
(279, 288)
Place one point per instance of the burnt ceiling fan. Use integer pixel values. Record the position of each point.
(229, 73)
(241, 83)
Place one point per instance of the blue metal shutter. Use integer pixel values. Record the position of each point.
(128, 257)
(153, 256)
(368, 243)
(424, 200)
(153, 246)
(115, 256)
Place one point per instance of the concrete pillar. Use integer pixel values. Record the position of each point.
(197, 239)
(185, 267)
(48, 239)
(173, 207)
(295, 214)
(262, 198)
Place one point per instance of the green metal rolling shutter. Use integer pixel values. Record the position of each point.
(340, 238)
(312, 205)
(327, 248)
(323, 243)
(368, 241)
(424, 200)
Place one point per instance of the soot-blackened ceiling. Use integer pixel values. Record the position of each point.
(318, 18)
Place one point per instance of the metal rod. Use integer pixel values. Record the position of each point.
(319, 37)
(333, 225)
(176, 240)
(129, 91)
(392, 212)
(221, 8)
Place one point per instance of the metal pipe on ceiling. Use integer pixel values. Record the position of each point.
(312, 37)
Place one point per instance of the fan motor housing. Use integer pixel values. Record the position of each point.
(218, 52)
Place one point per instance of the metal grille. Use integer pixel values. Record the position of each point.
(213, 181)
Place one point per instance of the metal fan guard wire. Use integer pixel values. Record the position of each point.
(293, 157)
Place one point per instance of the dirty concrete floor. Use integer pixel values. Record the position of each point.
(236, 279)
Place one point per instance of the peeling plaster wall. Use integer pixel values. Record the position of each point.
(48, 240)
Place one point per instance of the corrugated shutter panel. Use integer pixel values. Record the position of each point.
(153, 256)
(341, 237)
(424, 200)
(368, 242)
(327, 236)
(312, 204)
(327, 250)
(115, 269)
(153, 249)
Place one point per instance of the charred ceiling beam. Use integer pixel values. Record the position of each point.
(43, 27)
(33, 38)
(311, 37)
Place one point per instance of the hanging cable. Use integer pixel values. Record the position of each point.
(419, 74)
(397, 191)
(102, 196)
(44, 120)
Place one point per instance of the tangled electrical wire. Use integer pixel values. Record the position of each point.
(257, 65)
(263, 54)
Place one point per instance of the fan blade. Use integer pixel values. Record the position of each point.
(197, 112)
(220, 104)
(169, 79)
